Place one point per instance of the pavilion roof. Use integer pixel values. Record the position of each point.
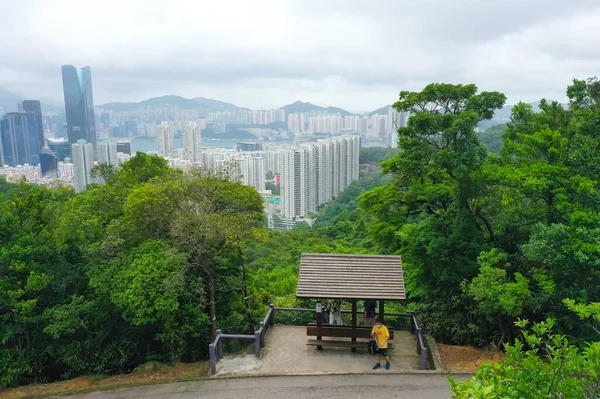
(343, 276)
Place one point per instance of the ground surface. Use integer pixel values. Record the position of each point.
(286, 353)
(416, 386)
(180, 372)
(467, 358)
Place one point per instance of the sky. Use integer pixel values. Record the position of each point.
(354, 54)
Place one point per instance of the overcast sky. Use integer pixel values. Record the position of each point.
(356, 54)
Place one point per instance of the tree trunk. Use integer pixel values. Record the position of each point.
(245, 288)
(212, 306)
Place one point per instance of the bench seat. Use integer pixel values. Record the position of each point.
(343, 344)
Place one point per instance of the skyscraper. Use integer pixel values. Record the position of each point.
(36, 107)
(164, 140)
(19, 139)
(192, 142)
(79, 104)
(83, 162)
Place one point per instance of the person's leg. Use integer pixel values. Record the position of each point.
(378, 364)
(387, 361)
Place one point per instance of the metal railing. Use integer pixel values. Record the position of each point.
(215, 349)
(421, 343)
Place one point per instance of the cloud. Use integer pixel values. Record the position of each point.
(354, 53)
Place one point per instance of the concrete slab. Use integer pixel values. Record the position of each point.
(286, 353)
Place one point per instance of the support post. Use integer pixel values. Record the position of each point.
(319, 321)
(424, 359)
(381, 310)
(219, 348)
(261, 328)
(272, 317)
(257, 343)
(354, 323)
(213, 360)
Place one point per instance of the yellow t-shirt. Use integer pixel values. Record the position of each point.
(380, 333)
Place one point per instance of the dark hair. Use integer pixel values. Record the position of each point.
(377, 319)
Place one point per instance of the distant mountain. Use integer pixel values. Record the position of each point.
(380, 111)
(181, 102)
(9, 100)
(300, 106)
(216, 105)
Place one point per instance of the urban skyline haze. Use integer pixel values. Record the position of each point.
(353, 54)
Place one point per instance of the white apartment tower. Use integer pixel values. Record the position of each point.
(107, 153)
(83, 162)
(164, 140)
(192, 142)
(313, 173)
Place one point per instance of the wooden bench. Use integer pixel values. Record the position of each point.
(336, 331)
(343, 344)
(341, 332)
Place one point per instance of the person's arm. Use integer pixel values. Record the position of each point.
(386, 336)
(373, 332)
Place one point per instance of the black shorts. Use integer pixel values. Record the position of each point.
(382, 352)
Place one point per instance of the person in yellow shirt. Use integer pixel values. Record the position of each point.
(381, 335)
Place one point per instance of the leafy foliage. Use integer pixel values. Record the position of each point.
(131, 270)
(540, 365)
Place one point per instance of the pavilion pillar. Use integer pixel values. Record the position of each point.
(319, 321)
(381, 309)
(354, 323)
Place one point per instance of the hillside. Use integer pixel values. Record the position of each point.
(300, 106)
(181, 102)
(492, 137)
(380, 111)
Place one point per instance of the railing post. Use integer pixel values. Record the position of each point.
(257, 343)
(419, 332)
(219, 348)
(261, 328)
(424, 359)
(213, 360)
(272, 317)
(412, 322)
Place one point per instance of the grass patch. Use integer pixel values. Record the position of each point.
(80, 385)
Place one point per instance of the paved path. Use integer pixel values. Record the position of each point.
(413, 386)
(286, 353)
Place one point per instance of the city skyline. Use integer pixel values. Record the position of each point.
(357, 55)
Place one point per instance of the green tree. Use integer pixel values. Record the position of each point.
(431, 211)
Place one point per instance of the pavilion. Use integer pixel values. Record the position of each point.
(351, 278)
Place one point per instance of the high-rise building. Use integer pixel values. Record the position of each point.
(124, 147)
(313, 173)
(79, 104)
(249, 146)
(36, 107)
(192, 142)
(83, 162)
(48, 163)
(164, 140)
(19, 139)
(106, 152)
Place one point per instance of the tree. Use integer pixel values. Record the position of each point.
(430, 211)
(269, 175)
